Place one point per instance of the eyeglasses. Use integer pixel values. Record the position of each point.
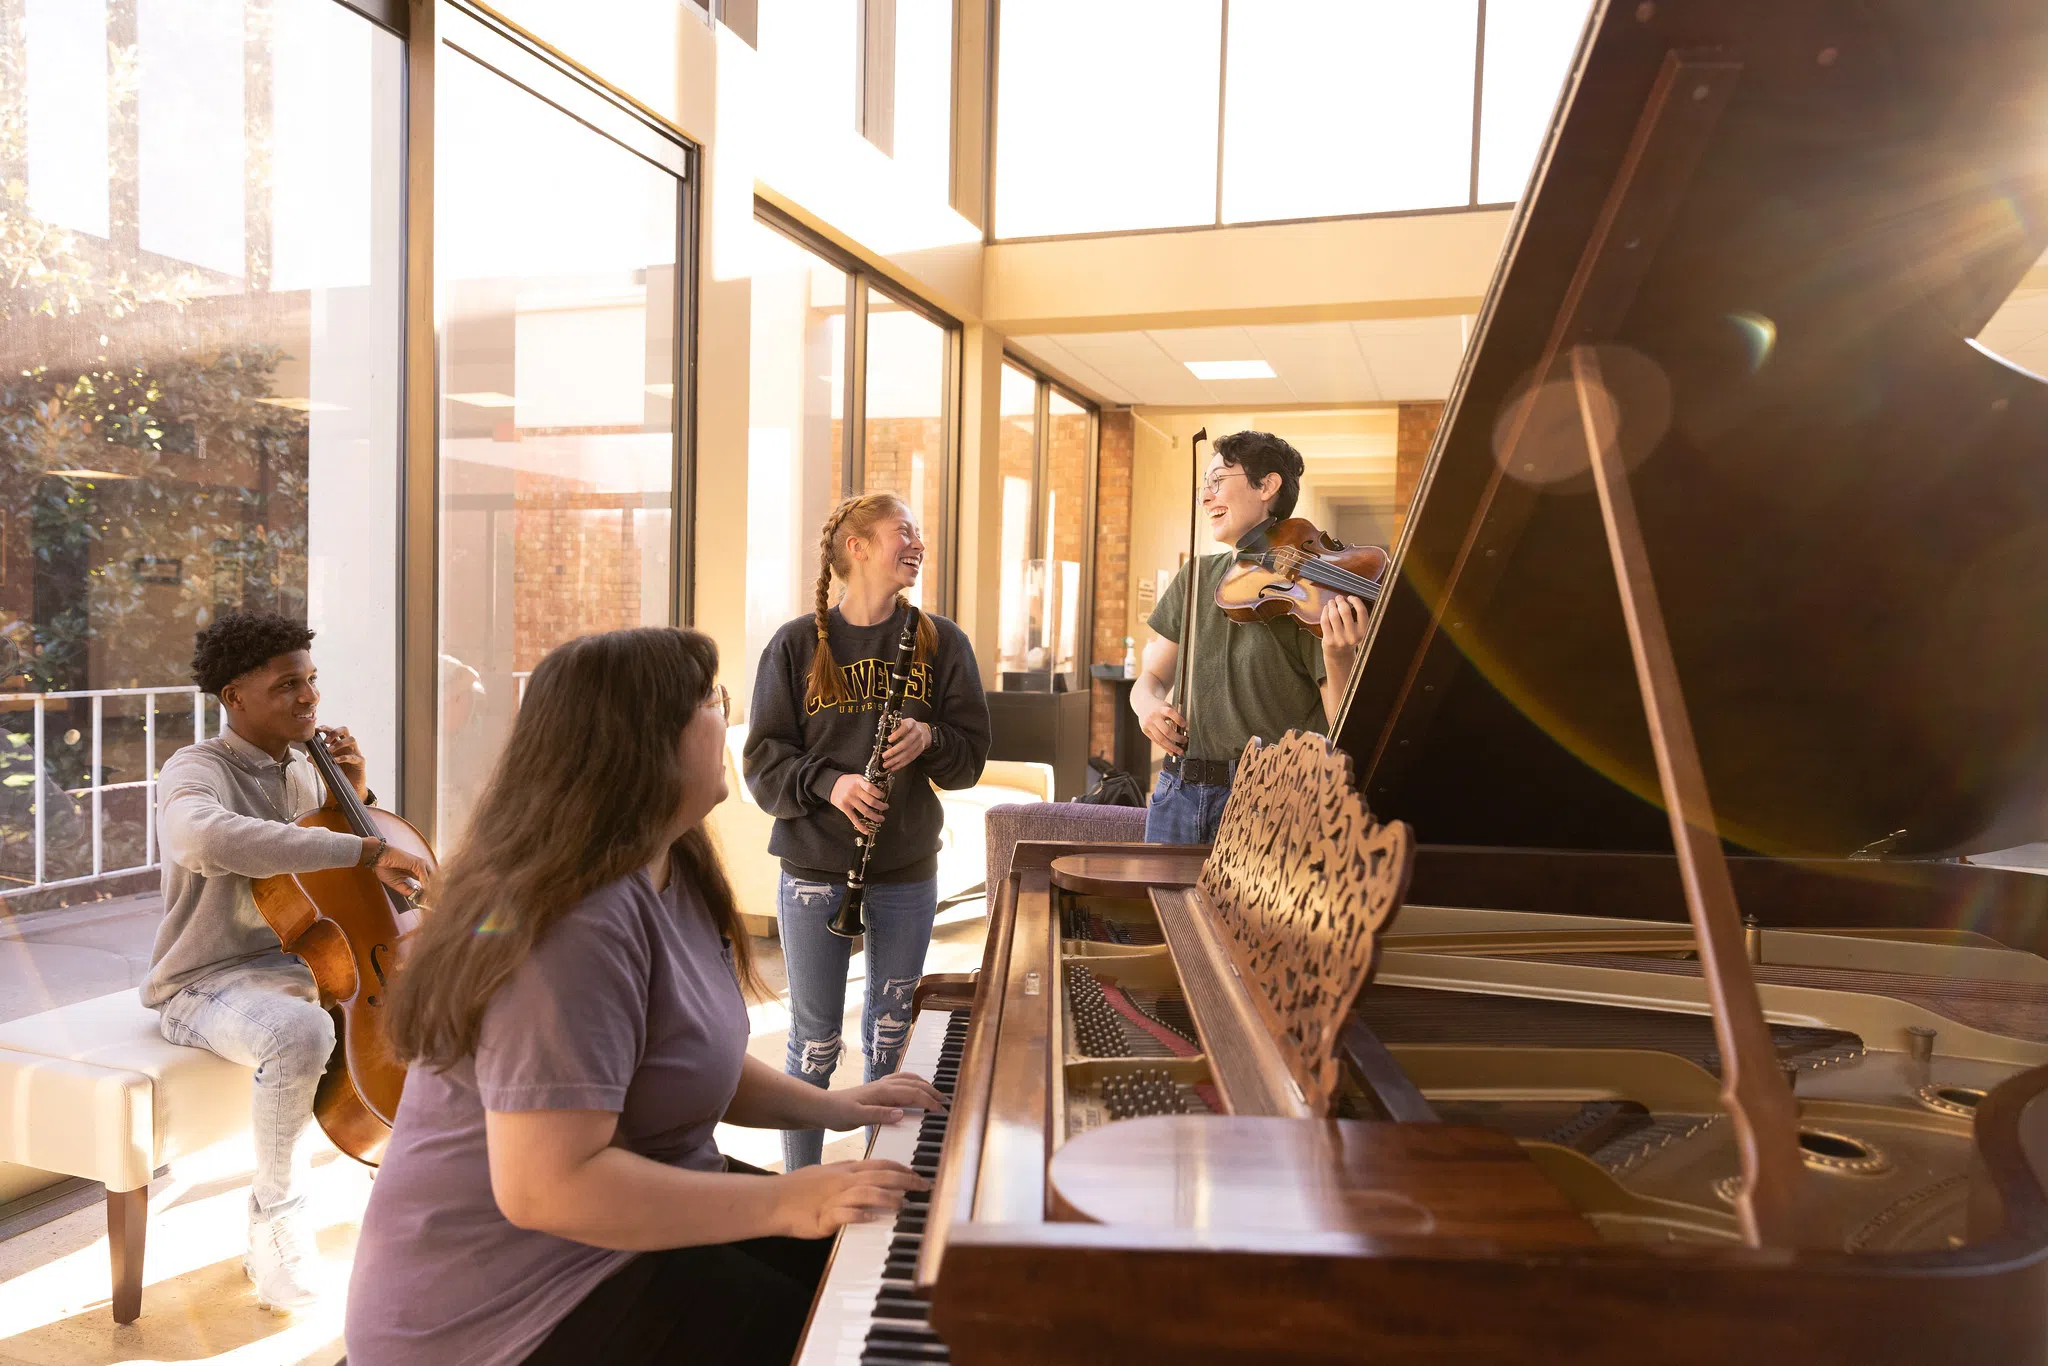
(1209, 486)
(722, 700)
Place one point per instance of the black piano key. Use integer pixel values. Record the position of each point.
(898, 1334)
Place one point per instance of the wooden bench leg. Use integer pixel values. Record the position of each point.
(127, 1221)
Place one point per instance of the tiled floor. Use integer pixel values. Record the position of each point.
(197, 1305)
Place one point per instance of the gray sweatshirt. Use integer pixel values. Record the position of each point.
(224, 815)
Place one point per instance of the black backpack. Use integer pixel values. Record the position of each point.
(1114, 788)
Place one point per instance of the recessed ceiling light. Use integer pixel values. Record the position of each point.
(89, 474)
(1229, 369)
(488, 398)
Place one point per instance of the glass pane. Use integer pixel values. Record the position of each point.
(810, 56)
(201, 404)
(924, 96)
(556, 263)
(1017, 458)
(1307, 132)
(1129, 84)
(1529, 46)
(1067, 439)
(795, 406)
(905, 441)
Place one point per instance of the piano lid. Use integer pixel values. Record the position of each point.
(1845, 499)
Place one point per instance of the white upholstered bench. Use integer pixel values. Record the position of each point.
(93, 1090)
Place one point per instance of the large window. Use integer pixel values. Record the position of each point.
(906, 417)
(199, 326)
(827, 418)
(1046, 457)
(796, 388)
(557, 249)
(1333, 126)
(1017, 467)
(1106, 115)
(1325, 108)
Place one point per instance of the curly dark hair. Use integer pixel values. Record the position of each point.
(240, 641)
(1259, 454)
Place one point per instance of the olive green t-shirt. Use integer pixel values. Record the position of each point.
(1258, 678)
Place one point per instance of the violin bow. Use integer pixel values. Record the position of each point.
(1184, 667)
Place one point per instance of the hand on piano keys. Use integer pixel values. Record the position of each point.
(818, 1201)
(880, 1102)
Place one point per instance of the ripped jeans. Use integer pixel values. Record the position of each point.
(899, 918)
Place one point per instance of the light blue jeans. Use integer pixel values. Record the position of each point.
(1184, 813)
(263, 1013)
(899, 919)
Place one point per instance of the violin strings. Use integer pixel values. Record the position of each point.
(1287, 559)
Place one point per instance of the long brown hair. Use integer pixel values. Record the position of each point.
(583, 795)
(853, 517)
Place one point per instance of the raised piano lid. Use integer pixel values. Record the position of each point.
(1845, 500)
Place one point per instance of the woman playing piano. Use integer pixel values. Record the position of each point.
(573, 1009)
(811, 731)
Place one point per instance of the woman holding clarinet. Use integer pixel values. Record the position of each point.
(852, 805)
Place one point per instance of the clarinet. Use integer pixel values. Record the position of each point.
(846, 922)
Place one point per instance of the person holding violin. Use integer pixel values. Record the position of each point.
(1261, 678)
(218, 976)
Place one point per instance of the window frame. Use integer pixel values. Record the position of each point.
(861, 276)
(1472, 203)
(538, 70)
(1041, 491)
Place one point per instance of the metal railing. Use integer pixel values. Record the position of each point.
(41, 786)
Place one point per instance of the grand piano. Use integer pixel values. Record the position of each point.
(1614, 986)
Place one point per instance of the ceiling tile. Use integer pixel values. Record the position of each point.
(1205, 343)
(1233, 393)
(1050, 352)
(1319, 362)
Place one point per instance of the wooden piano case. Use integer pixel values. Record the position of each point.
(1717, 618)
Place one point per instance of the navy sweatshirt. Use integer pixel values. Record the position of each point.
(796, 753)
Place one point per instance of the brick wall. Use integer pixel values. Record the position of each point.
(1415, 431)
(1112, 572)
(903, 458)
(576, 563)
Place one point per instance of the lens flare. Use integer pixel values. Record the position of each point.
(1759, 337)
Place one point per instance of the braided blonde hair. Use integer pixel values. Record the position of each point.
(855, 516)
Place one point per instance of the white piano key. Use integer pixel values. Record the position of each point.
(846, 1305)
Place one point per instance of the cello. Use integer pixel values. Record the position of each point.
(346, 925)
(1290, 568)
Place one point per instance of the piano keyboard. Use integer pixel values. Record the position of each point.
(867, 1311)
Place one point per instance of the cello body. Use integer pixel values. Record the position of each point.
(1291, 568)
(346, 926)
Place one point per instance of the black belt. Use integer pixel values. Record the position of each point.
(1199, 772)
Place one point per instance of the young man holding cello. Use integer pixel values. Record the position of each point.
(218, 976)
(1259, 678)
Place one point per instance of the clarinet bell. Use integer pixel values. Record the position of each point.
(846, 922)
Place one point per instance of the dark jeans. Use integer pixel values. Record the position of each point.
(727, 1304)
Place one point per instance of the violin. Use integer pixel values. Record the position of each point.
(347, 925)
(1292, 569)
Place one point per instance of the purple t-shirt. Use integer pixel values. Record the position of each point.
(628, 1004)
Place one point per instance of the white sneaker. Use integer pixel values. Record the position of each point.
(283, 1264)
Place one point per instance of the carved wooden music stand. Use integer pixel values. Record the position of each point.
(1302, 881)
